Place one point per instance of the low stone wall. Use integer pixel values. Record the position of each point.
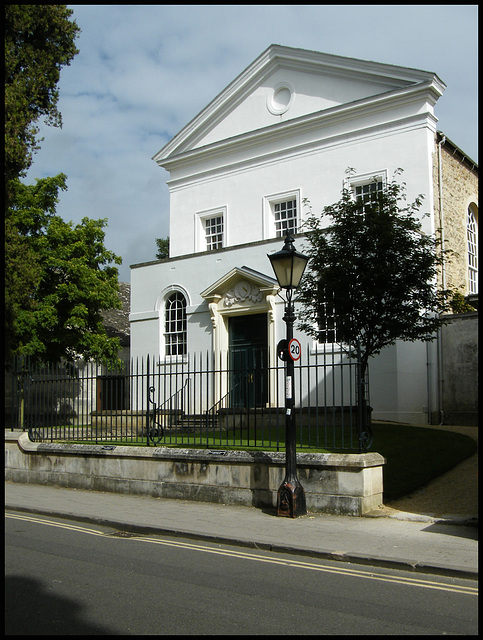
(341, 484)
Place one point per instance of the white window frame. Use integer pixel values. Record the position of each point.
(200, 227)
(161, 317)
(472, 248)
(214, 232)
(327, 347)
(269, 202)
(183, 332)
(360, 180)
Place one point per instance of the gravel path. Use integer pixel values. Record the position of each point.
(453, 493)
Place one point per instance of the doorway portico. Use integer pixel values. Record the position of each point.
(243, 292)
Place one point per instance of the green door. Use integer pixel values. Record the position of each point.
(248, 361)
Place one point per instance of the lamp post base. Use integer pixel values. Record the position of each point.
(291, 499)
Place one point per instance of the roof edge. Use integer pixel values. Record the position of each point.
(442, 137)
(278, 52)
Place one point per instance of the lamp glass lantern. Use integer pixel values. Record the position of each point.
(288, 265)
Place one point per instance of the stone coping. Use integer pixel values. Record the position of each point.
(276, 458)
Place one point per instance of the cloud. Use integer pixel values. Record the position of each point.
(144, 71)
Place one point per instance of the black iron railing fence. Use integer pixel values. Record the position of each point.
(195, 400)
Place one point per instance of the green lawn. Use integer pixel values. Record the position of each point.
(414, 455)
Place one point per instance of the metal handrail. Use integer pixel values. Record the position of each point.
(156, 430)
(174, 394)
(212, 410)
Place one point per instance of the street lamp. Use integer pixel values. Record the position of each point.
(289, 266)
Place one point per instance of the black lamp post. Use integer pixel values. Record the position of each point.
(289, 266)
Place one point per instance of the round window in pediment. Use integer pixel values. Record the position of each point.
(281, 98)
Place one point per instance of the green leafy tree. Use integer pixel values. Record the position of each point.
(71, 280)
(39, 41)
(163, 248)
(373, 271)
(459, 304)
(59, 277)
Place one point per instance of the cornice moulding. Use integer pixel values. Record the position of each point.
(317, 120)
(289, 152)
(351, 110)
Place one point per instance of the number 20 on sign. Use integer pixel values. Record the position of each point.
(294, 349)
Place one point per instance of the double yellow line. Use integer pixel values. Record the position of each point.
(245, 555)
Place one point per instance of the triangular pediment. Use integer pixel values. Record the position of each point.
(241, 285)
(285, 84)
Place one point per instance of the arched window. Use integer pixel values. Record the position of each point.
(175, 325)
(472, 238)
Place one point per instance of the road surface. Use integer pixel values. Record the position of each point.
(64, 577)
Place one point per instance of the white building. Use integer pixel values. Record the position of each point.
(285, 130)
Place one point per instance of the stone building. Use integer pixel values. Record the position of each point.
(456, 212)
(455, 178)
(116, 321)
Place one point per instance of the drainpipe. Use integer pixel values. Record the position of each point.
(428, 383)
(443, 278)
(441, 212)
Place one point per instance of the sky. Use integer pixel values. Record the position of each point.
(144, 71)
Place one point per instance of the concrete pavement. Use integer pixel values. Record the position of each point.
(398, 540)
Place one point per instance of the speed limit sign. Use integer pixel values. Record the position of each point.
(294, 349)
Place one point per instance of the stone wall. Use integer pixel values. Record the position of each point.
(340, 484)
(459, 190)
(459, 339)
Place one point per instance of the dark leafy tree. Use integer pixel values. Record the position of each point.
(163, 248)
(372, 273)
(59, 277)
(39, 41)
